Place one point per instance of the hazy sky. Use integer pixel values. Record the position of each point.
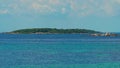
(100, 15)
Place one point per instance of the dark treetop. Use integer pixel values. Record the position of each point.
(51, 31)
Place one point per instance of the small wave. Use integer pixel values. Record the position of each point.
(56, 40)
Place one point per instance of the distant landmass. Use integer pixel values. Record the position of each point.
(51, 31)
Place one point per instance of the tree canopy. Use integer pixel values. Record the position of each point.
(52, 31)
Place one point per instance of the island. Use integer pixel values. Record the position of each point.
(52, 31)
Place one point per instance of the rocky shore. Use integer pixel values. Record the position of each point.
(104, 34)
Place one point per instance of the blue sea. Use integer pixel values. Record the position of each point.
(59, 51)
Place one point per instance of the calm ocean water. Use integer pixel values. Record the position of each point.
(59, 51)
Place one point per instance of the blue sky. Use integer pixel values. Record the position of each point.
(100, 15)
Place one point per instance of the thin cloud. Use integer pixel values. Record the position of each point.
(3, 11)
(75, 7)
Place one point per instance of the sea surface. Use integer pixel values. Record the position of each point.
(59, 51)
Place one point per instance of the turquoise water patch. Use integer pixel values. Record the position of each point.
(103, 65)
(59, 51)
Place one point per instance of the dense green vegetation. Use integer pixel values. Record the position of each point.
(51, 30)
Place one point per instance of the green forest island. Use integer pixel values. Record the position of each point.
(51, 31)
